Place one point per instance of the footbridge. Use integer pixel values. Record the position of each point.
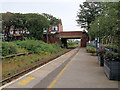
(74, 35)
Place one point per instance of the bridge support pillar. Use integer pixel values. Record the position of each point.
(64, 41)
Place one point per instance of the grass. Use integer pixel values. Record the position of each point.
(12, 65)
(17, 62)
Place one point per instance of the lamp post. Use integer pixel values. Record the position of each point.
(97, 38)
(98, 35)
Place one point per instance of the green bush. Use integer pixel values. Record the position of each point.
(39, 47)
(34, 46)
(9, 48)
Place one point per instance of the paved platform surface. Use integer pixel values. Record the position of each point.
(84, 72)
(71, 70)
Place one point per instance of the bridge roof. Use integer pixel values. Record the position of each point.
(71, 34)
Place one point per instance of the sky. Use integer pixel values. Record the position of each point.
(66, 10)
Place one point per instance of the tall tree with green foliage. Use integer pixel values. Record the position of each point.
(87, 13)
(53, 20)
(32, 21)
(108, 28)
(35, 24)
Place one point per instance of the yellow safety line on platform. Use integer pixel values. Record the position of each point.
(25, 81)
(61, 72)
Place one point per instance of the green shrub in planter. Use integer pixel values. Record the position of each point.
(87, 48)
(112, 65)
(111, 56)
(93, 50)
(101, 52)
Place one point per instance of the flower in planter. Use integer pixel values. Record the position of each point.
(88, 48)
(112, 65)
(93, 50)
(110, 55)
(101, 51)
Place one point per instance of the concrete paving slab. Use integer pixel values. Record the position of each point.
(84, 72)
(40, 73)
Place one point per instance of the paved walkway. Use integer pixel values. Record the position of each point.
(67, 71)
(84, 72)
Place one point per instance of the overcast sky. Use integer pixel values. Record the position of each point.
(63, 9)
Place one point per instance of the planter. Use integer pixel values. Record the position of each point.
(112, 69)
(100, 60)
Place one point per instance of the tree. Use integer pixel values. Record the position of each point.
(53, 20)
(118, 22)
(108, 30)
(6, 22)
(87, 13)
(35, 24)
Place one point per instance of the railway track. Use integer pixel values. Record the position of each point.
(36, 65)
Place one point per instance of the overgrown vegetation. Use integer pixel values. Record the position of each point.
(39, 50)
(9, 48)
(34, 46)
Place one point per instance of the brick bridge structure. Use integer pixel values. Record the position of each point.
(74, 35)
